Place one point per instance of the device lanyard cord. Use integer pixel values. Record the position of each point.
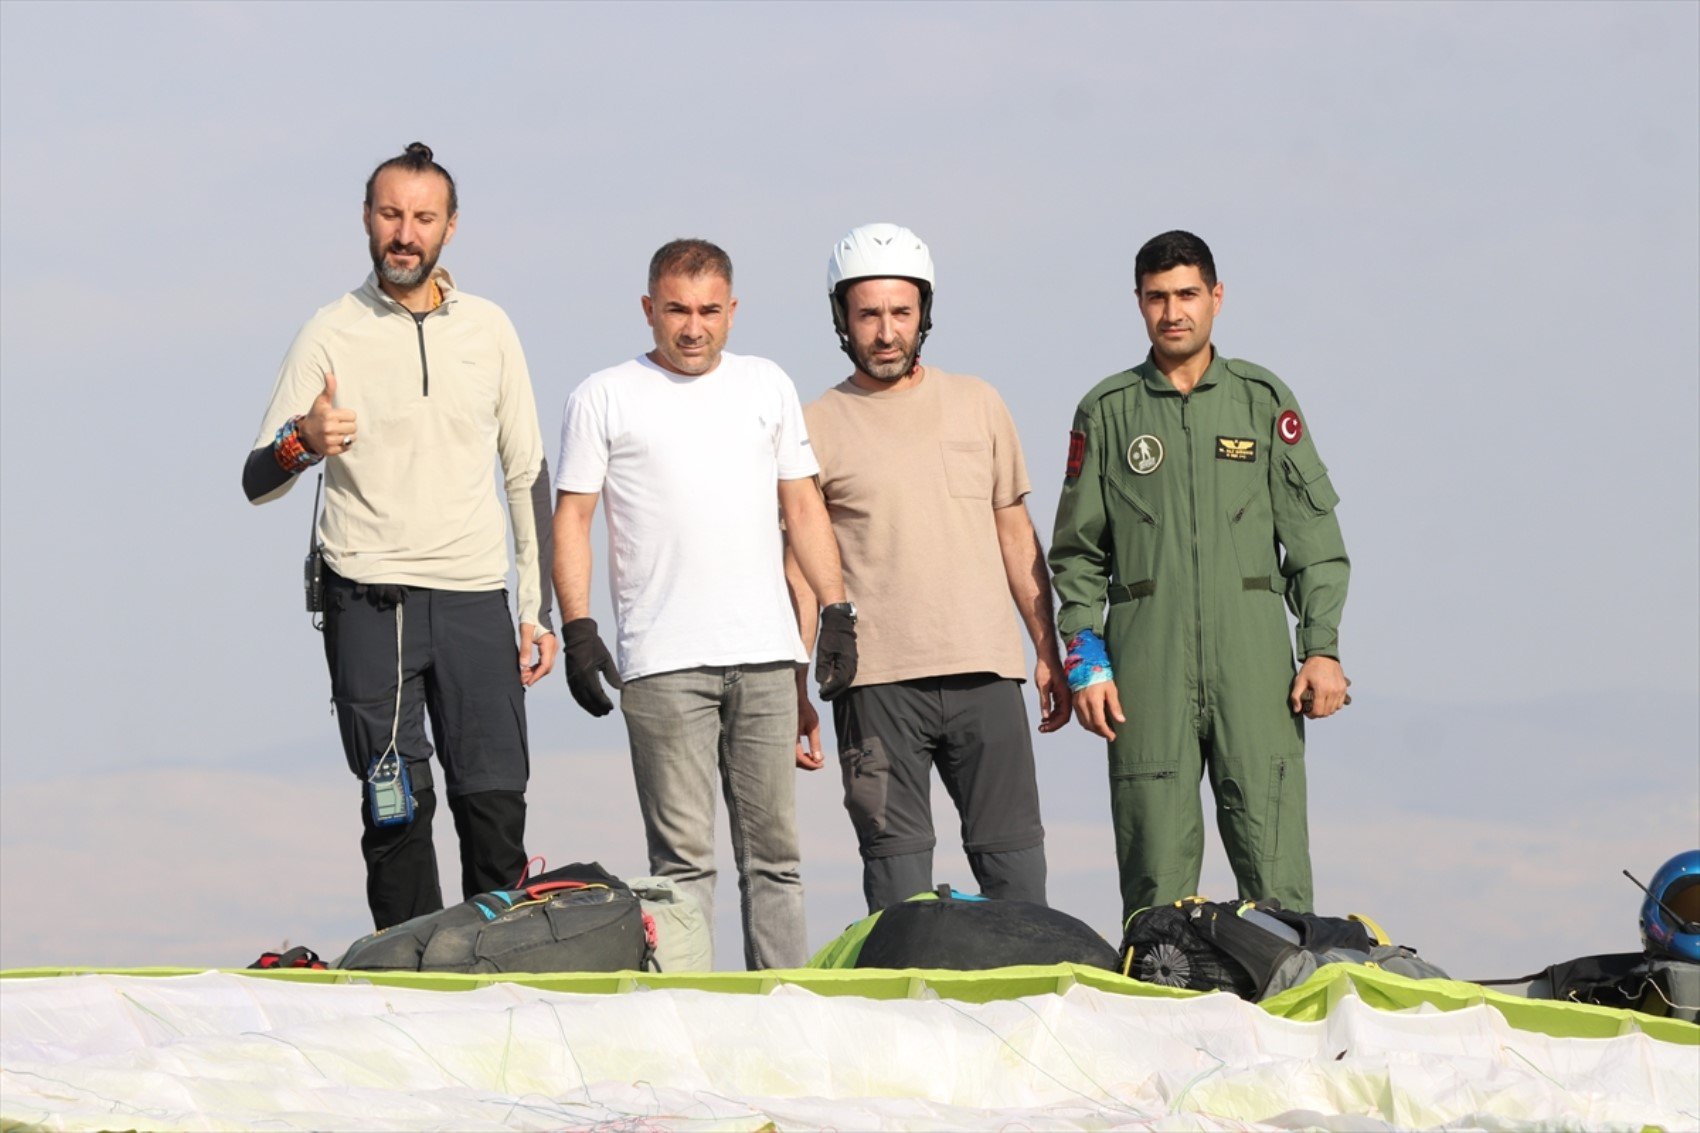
(389, 790)
(395, 720)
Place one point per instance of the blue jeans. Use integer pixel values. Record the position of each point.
(742, 721)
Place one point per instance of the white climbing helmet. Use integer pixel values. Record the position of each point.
(875, 251)
(879, 251)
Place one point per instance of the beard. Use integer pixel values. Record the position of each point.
(892, 371)
(404, 277)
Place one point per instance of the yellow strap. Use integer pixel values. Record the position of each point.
(551, 894)
(1375, 930)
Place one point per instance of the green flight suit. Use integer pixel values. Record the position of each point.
(1192, 517)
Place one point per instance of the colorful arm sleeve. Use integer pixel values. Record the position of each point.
(1088, 662)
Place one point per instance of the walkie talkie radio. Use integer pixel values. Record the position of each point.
(314, 568)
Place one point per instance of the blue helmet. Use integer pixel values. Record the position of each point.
(1677, 885)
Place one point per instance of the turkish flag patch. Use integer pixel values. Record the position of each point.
(1289, 428)
(1076, 452)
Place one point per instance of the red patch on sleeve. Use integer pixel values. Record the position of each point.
(1289, 428)
(1076, 452)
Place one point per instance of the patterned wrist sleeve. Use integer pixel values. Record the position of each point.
(1088, 662)
(291, 455)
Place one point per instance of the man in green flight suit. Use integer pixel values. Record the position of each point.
(1194, 503)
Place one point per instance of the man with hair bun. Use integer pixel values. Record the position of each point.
(408, 391)
(699, 452)
(924, 479)
(1195, 510)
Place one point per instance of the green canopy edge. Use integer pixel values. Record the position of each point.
(1309, 1002)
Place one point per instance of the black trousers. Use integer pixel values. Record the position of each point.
(401, 861)
(972, 727)
(458, 665)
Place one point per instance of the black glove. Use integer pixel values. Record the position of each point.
(586, 657)
(835, 651)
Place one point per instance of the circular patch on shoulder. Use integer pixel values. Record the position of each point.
(1144, 454)
(1289, 427)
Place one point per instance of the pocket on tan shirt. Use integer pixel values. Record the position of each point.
(968, 469)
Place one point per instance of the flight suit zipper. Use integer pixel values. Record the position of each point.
(1197, 575)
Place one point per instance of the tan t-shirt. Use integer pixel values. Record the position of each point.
(911, 478)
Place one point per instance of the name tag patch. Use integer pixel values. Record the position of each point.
(1243, 449)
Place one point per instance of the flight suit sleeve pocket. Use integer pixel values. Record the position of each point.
(1309, 482)
(967, 469)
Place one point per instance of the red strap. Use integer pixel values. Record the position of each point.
(542, 867)
(536, 891)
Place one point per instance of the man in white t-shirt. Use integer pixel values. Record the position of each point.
(699, 453)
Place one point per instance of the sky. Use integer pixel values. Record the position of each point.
(1467, 236)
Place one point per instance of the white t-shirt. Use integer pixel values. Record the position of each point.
(689, 472)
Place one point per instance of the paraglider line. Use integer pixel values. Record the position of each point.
(1106, 1094)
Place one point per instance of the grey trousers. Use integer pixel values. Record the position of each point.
(973, 728)
(739, 722)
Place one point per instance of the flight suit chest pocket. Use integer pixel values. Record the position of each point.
(1251, 522)
(1136, 531)
(1137, 508)
(967, 469)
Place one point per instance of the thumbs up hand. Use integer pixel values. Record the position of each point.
(325, 429)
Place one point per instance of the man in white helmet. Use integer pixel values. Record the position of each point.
(925, 483)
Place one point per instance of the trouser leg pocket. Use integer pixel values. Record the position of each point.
(1261, 813)
(1159, 832)
(867, 783)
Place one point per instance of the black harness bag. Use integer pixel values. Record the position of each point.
(1254, 949)
(579, 918)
